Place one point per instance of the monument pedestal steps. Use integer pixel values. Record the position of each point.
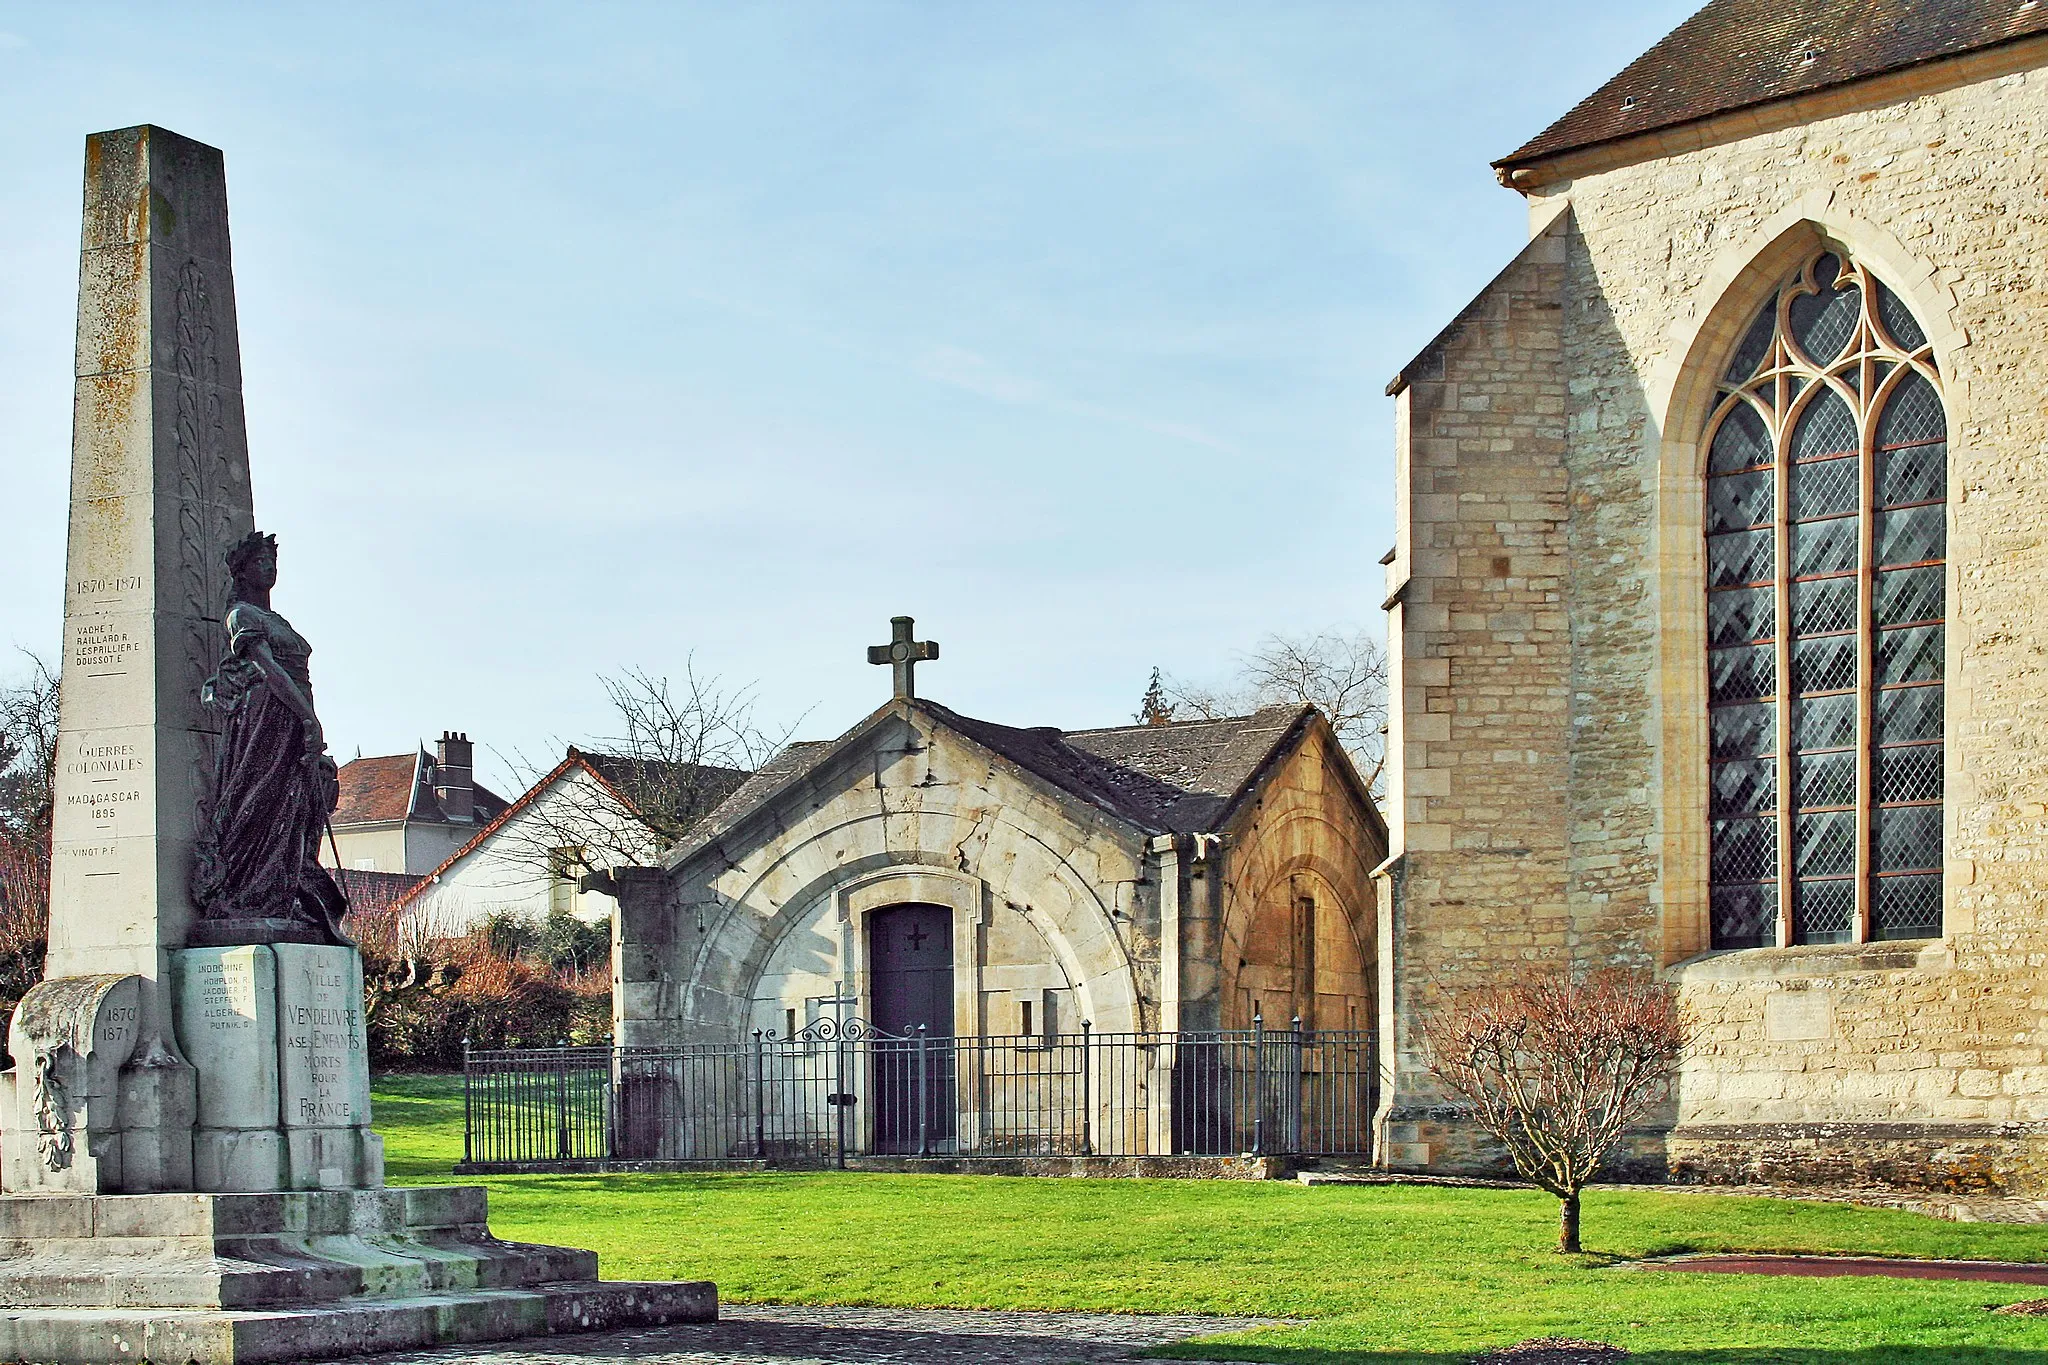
(299, 1275)
(185, 1137)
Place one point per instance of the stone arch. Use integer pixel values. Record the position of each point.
(1681, 388)
(1285, 850)
(721, 983)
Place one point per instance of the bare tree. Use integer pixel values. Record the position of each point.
(1342, 672)
(1558, 1068)
(682, 747)
(28, 770)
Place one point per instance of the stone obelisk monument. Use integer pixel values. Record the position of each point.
(159, 481)
(185, 1139)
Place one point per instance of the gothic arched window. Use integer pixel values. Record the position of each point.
(1826, 534)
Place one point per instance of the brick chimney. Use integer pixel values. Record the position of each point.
(454, 782)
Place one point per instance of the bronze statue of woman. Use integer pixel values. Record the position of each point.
(258, 878)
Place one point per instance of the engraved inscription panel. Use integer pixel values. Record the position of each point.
(322, 1043)
(104, 786)
(227, 1025)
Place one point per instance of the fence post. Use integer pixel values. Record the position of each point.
(924, 1114)
(1087, 1094)
(760, 1098)
(468, 1108)
(839, 1099)
(1259, 1084)
(611, 1097)
(1297, 1045)
(562, 1147)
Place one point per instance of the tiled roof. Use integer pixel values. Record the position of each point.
(396, 787)
(1212, 756)
(376, 789)
(616, 772)
(626, 775)
(1180, 778)
(786, 767)
(1735, 54)
(369, 892)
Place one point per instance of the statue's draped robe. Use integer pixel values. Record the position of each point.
(270, 805)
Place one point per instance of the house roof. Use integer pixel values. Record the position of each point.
(395, 787)
(1735, 54)
(376, 789)
(626, 775)
(368, 892)
(618, 775)
(1184, 777)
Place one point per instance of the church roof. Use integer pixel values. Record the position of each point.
(1735, 54)
(1176, 778)
(1180, 778)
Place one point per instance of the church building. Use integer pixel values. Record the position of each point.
(927, 870)
(1716, 606)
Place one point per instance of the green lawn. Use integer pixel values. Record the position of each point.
(1387, 1275)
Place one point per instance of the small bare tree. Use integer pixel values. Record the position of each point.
(682, 747)
(1342, 672)
(1558, 1068)
(28, 771)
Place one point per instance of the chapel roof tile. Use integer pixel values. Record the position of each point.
(1735, 54)
(1179, 778)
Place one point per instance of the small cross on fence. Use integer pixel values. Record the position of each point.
(903, 654)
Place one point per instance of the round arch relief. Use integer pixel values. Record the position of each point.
(1825, 525)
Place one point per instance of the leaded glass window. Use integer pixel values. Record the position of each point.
(1827, 475)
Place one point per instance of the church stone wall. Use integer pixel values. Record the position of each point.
(1481, 669)
(1909, 1063)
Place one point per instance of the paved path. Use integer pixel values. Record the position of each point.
(770, 1335)
(2002, 1272)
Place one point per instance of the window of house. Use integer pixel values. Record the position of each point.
(1825, 546)
(565, 867)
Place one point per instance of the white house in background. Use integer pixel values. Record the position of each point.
(529, 858)
(408, 812)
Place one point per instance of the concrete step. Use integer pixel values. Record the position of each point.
(172, 1336)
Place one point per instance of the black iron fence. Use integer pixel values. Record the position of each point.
(837, 1089)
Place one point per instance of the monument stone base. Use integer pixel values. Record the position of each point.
(229, 1279)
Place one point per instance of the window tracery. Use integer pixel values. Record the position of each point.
(1826, 539)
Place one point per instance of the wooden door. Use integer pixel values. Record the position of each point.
(910, 956)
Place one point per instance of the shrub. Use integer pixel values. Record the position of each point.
(511, 982)
(1558, 1068)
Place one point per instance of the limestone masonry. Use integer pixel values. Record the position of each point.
(1549, 743)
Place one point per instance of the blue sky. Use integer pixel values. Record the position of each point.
(580, 338)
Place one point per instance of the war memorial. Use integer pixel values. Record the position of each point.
(190, 1172)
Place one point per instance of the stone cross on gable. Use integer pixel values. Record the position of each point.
(903, 654)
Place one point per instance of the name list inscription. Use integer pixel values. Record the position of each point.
(101, 647)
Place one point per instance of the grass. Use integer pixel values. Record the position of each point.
(1388, 1275)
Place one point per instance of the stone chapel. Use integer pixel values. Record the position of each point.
(930, 869)
(1716, 607)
